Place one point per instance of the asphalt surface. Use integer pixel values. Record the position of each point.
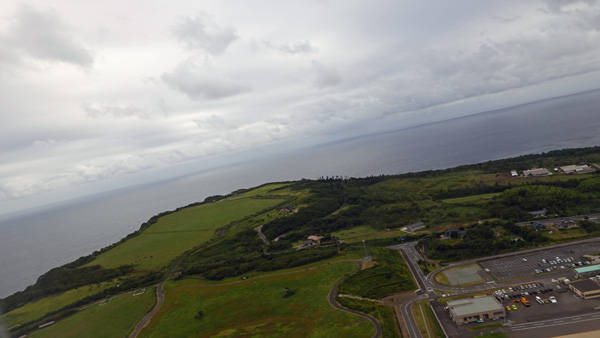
(160, 296)
(335, 304)
(526, 324)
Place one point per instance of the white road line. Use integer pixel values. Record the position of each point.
(554, 324)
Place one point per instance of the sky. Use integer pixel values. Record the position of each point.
(103, 94)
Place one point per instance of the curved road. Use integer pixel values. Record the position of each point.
(428, 283)
(160, 296)
(336, 305)
(331, 298)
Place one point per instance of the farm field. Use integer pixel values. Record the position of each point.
(256, 307)
(34, 310)
(113, 319)
(175, 233)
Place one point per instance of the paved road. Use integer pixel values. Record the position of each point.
(160, 296)
(427, 284)
(411, 255)
(336, 305)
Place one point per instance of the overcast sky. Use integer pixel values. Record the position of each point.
(97, 91)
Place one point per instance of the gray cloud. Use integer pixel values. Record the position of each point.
(43, 35)
(296, 48)
(559, 5)
(324, 76)
(215, 123)
(192, 81)
(116, 111)
(201, 33)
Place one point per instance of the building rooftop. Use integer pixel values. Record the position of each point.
(536, 172)
(587, 269)
(467, 306)
(585, 285)
(415, 226)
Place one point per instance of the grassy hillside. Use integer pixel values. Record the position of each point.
(175, 233)
(113, 319)
(257, 308)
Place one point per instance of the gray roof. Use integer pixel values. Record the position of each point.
(585, 285)
(415, 225)
(466, 306)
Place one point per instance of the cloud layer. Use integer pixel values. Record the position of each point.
(104, 91)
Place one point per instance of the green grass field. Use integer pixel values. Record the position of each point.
(113, 319)
(474, 199)
(175, 233)
(356, 232)
(390, 275)
(34, 310)
(265, 190)
(256, 308)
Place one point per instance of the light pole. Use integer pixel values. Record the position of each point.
(365, 246)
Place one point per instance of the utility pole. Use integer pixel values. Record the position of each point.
(365, 246)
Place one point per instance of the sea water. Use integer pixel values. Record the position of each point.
(32, 244)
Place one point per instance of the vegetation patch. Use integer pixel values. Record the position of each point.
(390, 275)
(426, 321)
(233, 309)
(113, 319)
(384, 314)
(180, 231)
(36, 309)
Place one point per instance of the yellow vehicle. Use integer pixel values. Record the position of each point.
(514, 307)
(507, 308)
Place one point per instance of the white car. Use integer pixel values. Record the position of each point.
(552, 299)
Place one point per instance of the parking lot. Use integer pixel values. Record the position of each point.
(554, 260)
(569, 314)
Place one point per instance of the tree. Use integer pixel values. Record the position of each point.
(288, 292)
(199, 315)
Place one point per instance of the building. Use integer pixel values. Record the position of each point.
(454, 233)
(536, 172)
(415, 226)
(539, 213)
(585, 288)
(539, 226)
(577, 169)
(315, 238)
(469, 310)
(587, 271)
(513, 173)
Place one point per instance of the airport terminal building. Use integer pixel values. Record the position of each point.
(469, 310)
(586, 288)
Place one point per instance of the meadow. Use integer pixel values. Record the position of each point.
(256, 307)
(389, 275)
(37, 309)
(113, 319)
(175, 233)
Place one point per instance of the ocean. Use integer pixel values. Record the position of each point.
(31, 244)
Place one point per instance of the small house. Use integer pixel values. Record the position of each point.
(316, 239)
(539, 226)
(536, 172)
(539, 213)
(415, 226)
